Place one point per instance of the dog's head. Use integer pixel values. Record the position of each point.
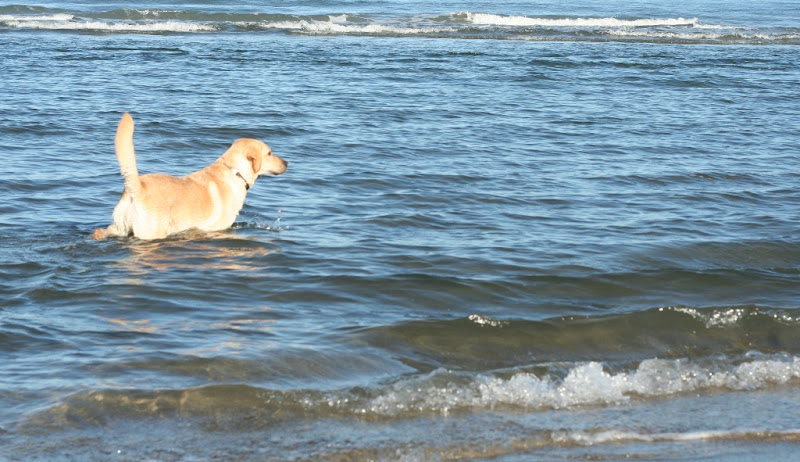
(256, 157)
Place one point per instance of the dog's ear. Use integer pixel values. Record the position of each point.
(254, 156)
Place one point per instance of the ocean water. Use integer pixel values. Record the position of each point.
(509, 231)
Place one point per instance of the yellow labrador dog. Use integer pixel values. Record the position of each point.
(156, 205)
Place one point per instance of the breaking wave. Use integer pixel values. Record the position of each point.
(73, 23)
(528, 21)
(441, 392)
(588, 384)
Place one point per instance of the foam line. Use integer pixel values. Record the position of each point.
(499, 20)
(71, 22)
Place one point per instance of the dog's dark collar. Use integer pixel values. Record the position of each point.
(237, 173)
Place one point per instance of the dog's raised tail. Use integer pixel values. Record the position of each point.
(126, 155)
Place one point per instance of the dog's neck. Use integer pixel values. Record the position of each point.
(239, 174)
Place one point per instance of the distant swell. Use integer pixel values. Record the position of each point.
(465, 24)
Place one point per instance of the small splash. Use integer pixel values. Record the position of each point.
(733, 316)
(485, 321)
(276, 226)
(715, 318)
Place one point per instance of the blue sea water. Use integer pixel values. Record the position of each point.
(509, 231)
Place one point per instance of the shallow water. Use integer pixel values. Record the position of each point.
(507, 231)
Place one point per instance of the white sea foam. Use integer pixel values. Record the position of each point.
(500, 20)
(339, 26)
(70, 22)
(585, 384)
(588, 438)
(51, 17)
(729, 35)
(339, 19)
